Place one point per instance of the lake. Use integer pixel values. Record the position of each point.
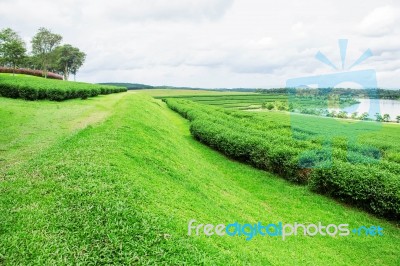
(373, 106)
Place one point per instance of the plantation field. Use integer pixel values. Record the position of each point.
(229, 100)
(336, 158)
(35, 88)
(250, 101)
(115, 180)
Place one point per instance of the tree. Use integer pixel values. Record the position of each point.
(342, 114)
(398, 119)
(364, 116)
(43, 44)
(386, 118)
(12, 48)
(32, 62)
(354, 115)
(79, 60)
(379, 117)
(332, 114)
(68, 60)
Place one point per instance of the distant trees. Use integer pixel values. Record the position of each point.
(47, 54)
(43, 44)
(68, 60)
(345, 94)
(342, 114)
(364, 116)
(398, 119)
(12, 48)
(378, 117)
(386, 118)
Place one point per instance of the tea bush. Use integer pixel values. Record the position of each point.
(34, 88)
(355, 173)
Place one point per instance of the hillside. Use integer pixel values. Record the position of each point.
(115, 180)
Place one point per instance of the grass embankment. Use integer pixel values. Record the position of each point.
(35, 88)
(123, 191)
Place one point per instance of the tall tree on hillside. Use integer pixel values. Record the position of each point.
(43, 44)
(79, 60)
(68, 60)
(12, 48)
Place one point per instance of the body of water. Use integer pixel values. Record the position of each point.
(373, 106)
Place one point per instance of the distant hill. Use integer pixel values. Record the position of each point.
(129, 86)
(138, 86)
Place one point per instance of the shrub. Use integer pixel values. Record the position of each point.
(367, 187)
(32, 88)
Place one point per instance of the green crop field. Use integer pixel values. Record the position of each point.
(115, 179)
(36, 88)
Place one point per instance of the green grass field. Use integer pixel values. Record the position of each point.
(115, 180)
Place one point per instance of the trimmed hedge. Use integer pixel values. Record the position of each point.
(33, 88)
(355, 174)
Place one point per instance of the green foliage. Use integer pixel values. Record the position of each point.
(33, 88)
(43, 45)
(354, 115)
(269, 106)
(274, 147)
(12, 48)
(386, 118)
(364, 116)
(379, 117)
(68, 60)
(342, 114)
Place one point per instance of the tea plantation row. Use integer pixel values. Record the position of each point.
(34, 88)
(353, 173)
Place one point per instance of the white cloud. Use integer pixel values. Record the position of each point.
(381, 21)
(213, 43)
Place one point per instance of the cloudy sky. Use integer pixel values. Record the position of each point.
(215, 43)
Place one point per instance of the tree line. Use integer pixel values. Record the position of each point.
(371, 93)
(47, 53)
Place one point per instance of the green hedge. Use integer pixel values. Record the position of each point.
(355, 174)
(34, 88)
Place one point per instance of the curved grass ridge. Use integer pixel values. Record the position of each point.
(370, 184)
(34, 88)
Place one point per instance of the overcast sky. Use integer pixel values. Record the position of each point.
(215, 43)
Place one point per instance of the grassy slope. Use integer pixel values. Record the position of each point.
(29, 127)
(123, 191)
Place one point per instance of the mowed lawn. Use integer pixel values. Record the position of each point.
(115, 180)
